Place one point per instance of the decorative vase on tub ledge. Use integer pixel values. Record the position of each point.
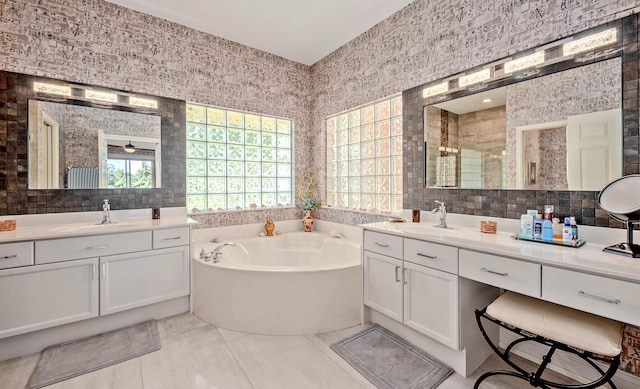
(307, 220)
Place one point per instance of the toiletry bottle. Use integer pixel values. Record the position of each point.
(547, 231)
(548, 212)
(566, 230)
(574, 229)
(537, 229)
(526, 224)
(557, 228)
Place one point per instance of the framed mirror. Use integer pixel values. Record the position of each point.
(546, 119)
(80, 147)
(562, 131)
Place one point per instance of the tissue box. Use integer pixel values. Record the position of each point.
(488, 227)
(8, 225)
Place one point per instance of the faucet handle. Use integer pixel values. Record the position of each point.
(439, 202)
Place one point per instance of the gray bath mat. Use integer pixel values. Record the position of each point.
(389, 361)
(71, 359)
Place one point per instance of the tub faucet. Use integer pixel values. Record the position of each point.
(215, 254)
(442, 209)
(106, 212)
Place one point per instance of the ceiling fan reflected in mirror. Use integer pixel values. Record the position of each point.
(129, 148)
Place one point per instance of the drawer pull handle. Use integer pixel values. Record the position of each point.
(397, 277)
(174, 238)
(427, 256)
(493, 272)
(102, 246)
(9, 256)
(381, 244)
(603, 299)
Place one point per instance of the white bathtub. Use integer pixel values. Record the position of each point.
(296, 283)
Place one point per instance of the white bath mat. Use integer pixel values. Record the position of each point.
(390, 362)
(71, 359)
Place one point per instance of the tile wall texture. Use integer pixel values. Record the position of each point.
(429, 40)
(17, 199)
(100, 43)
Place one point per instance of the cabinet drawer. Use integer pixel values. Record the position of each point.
(390, 245)
(602, 296)
(171, 237)
(16, 254)
(57, 250)
(518, 276)
(433, 255)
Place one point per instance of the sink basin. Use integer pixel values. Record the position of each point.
(426, 229)
(89, 227)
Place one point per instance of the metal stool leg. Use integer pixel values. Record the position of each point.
(535, 378)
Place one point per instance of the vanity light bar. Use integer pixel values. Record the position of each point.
(590, 42)
(101, 96)
(52, 88)
(435, 89)
(524, 62)
(474, 78)
(140, 102)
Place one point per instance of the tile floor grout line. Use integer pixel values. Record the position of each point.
(236, 358)
(140, 363)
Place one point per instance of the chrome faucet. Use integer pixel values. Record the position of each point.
(106, 212)
(442, 209)
(215, 254)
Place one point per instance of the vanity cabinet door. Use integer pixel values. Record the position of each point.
(133, 280)
(431, 303)
(383, 284)
(44, 296)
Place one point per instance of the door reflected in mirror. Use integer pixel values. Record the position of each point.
(558, 132)
(79, 147)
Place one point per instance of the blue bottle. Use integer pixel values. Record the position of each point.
(547, 231)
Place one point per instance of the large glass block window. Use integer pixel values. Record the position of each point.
(364, 157)
(237, 159)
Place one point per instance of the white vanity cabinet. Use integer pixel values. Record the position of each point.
(383, 287)
(411, 288)
(36, 297)
(133, 280)
(431, 303)
(69, 279)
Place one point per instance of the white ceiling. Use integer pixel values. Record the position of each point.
(304, 31)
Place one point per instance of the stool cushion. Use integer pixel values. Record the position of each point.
(575, 328)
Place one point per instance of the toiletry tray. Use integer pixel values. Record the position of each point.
(558, 242)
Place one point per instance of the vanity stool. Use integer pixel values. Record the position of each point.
(592, 338)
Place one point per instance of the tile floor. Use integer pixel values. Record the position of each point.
(198, 355)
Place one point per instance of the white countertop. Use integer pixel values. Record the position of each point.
(589, 258)
(77, 224)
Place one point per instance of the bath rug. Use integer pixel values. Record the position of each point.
(77, 357)
(390, 362)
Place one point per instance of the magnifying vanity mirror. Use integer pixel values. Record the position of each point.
(521, 130)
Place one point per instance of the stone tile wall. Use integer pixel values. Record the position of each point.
(99, 43)
(428, 40)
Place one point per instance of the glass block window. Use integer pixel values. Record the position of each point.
(236, 159)
(364, 157)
